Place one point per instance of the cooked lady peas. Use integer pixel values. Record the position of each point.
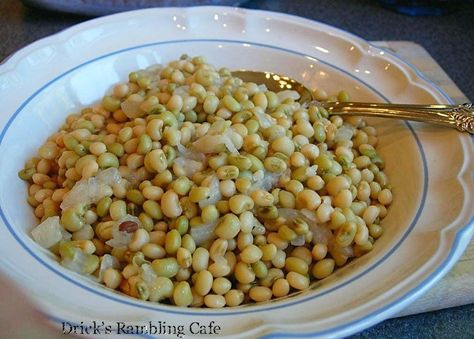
(223, 193)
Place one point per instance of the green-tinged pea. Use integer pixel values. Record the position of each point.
(166, 267)
(70, 142)
(267, 212)
(146, 221)
(345, 234)
(169, 119)
(182, 294)
(227, 172)
(144, 144)
(324, 163)
(182, 226)
(231, 104)
(209, 214)
(319, 132)
(135, 196)
(80, 150)
(242, 162)
(228, 227)
(241, 117)
(275, 165)
(116, 149)
(111, 104)
(71, 220)
(84, 124)
(26, 173)
(153, 209)
(172, 241)
(106, 160)
(103, 206)
(260, 269)
(252, 126)
(260, 152)
(91, 264)
(181, 186)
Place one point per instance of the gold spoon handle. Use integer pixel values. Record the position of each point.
(460, 117)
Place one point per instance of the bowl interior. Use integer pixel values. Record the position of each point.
(44, 112)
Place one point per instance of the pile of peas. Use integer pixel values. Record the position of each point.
(138, 128)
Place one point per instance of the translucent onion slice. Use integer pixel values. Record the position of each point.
(90, 191)
(50, 232)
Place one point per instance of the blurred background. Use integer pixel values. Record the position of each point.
(445, 28)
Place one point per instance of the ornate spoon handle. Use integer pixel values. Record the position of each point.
(460, 117)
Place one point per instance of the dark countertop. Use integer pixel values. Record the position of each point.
(450, 39)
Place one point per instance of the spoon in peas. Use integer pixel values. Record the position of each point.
(460, 117)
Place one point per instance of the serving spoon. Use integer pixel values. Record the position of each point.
(460, 117)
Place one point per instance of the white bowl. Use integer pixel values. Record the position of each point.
(428, 226)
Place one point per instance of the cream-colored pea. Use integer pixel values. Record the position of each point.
(210, 104)
(385, 197)
(251, 254)
(221, 285)
(370, 214)
(262, 198)
(275, 239)
(310, 151)
(182, 295)
(153, 251)
(319, 251)
(129, 271)
(268, 251)
(324, 212)
(175, 103)
(297, 281)
(297, 159)
(152, 192)
(362, 234)
(118, 209)
(227, 188)
(161, 288)
(244, 273)
(170, 205)
(219, 268)
(308, 199)
(303, 253)
(85, 233)
(240, 203)
(343, 199)
(234, 297)
(295, 264)
(280, 288)
(334, 186)
(200, 259)
(139, 238)
(260, 293)
(246, 221)
(112, 278)
(304, 127)
(228, 227)
(244, 240)
(284, 145)
(218, 249)
(363, 191)
(214, 301)
(323, 268)
(97, 148)
(315, 183)
(203, 283)
(279, 259)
